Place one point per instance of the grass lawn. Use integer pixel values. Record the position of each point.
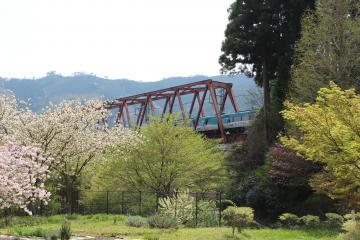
(114, 226)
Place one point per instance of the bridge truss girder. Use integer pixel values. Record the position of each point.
(199, 90)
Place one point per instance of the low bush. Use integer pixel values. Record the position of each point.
(162, 221)
(135, 221)
(208, 214)
(350, 216)
(289, 220)
(310, 221)
(65, 231)
(334, 219)
(180, 205)
(238, 217)
(352, 229)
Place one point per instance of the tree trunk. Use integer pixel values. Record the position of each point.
(266, 107)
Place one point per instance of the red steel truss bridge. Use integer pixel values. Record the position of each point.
(167, 98)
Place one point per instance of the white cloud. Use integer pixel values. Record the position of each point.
(136, 39)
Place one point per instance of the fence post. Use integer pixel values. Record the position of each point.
(196, 209)
(140, 200)
(220, 204)
(107, 202)
(122, 203)
(175, 205)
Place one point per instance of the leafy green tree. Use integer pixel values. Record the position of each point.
(328, 49)
(170, 158)
(259, 41)
(329, 132)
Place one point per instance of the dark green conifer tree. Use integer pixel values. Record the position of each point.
(259, 41)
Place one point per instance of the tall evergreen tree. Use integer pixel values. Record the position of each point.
(328, 49)
(259, 41)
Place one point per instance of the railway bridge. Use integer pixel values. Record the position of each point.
(206, 117)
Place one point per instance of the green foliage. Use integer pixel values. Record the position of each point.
(170, 158)
(350, 216)
(325, 52)
(289, 220)
(87, 225)
(334, 220)
(162, 221)
(310, 221)
(261, 46)
(135, 221)
(53, 237)
(151, 237)
(36, 232)
(238, 217)
(253, 34)
(208, 214)
(5, 221)
(328, 132)
(352, 229)
(65, 231)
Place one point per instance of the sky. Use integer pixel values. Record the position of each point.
(136, 39)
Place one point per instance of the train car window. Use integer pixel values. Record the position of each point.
(238, 119)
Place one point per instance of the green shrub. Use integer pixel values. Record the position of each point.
(181, 205)
(65, 231)
(135, 221)
(310, 221)
(350, 216)
(334, 220)
(289, 220)
(208, 214)
(352, 229)
(162, 221)
(238, 217)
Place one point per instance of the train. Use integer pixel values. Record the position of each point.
(233, 122)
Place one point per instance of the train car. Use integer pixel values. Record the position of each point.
(238, 121)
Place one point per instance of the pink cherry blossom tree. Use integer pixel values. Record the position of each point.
(22, 175)
(69, 133)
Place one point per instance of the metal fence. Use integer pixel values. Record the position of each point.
(199, 208)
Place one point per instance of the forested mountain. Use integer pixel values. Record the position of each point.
(54, 88)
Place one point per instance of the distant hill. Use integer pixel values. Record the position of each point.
(54, 88)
